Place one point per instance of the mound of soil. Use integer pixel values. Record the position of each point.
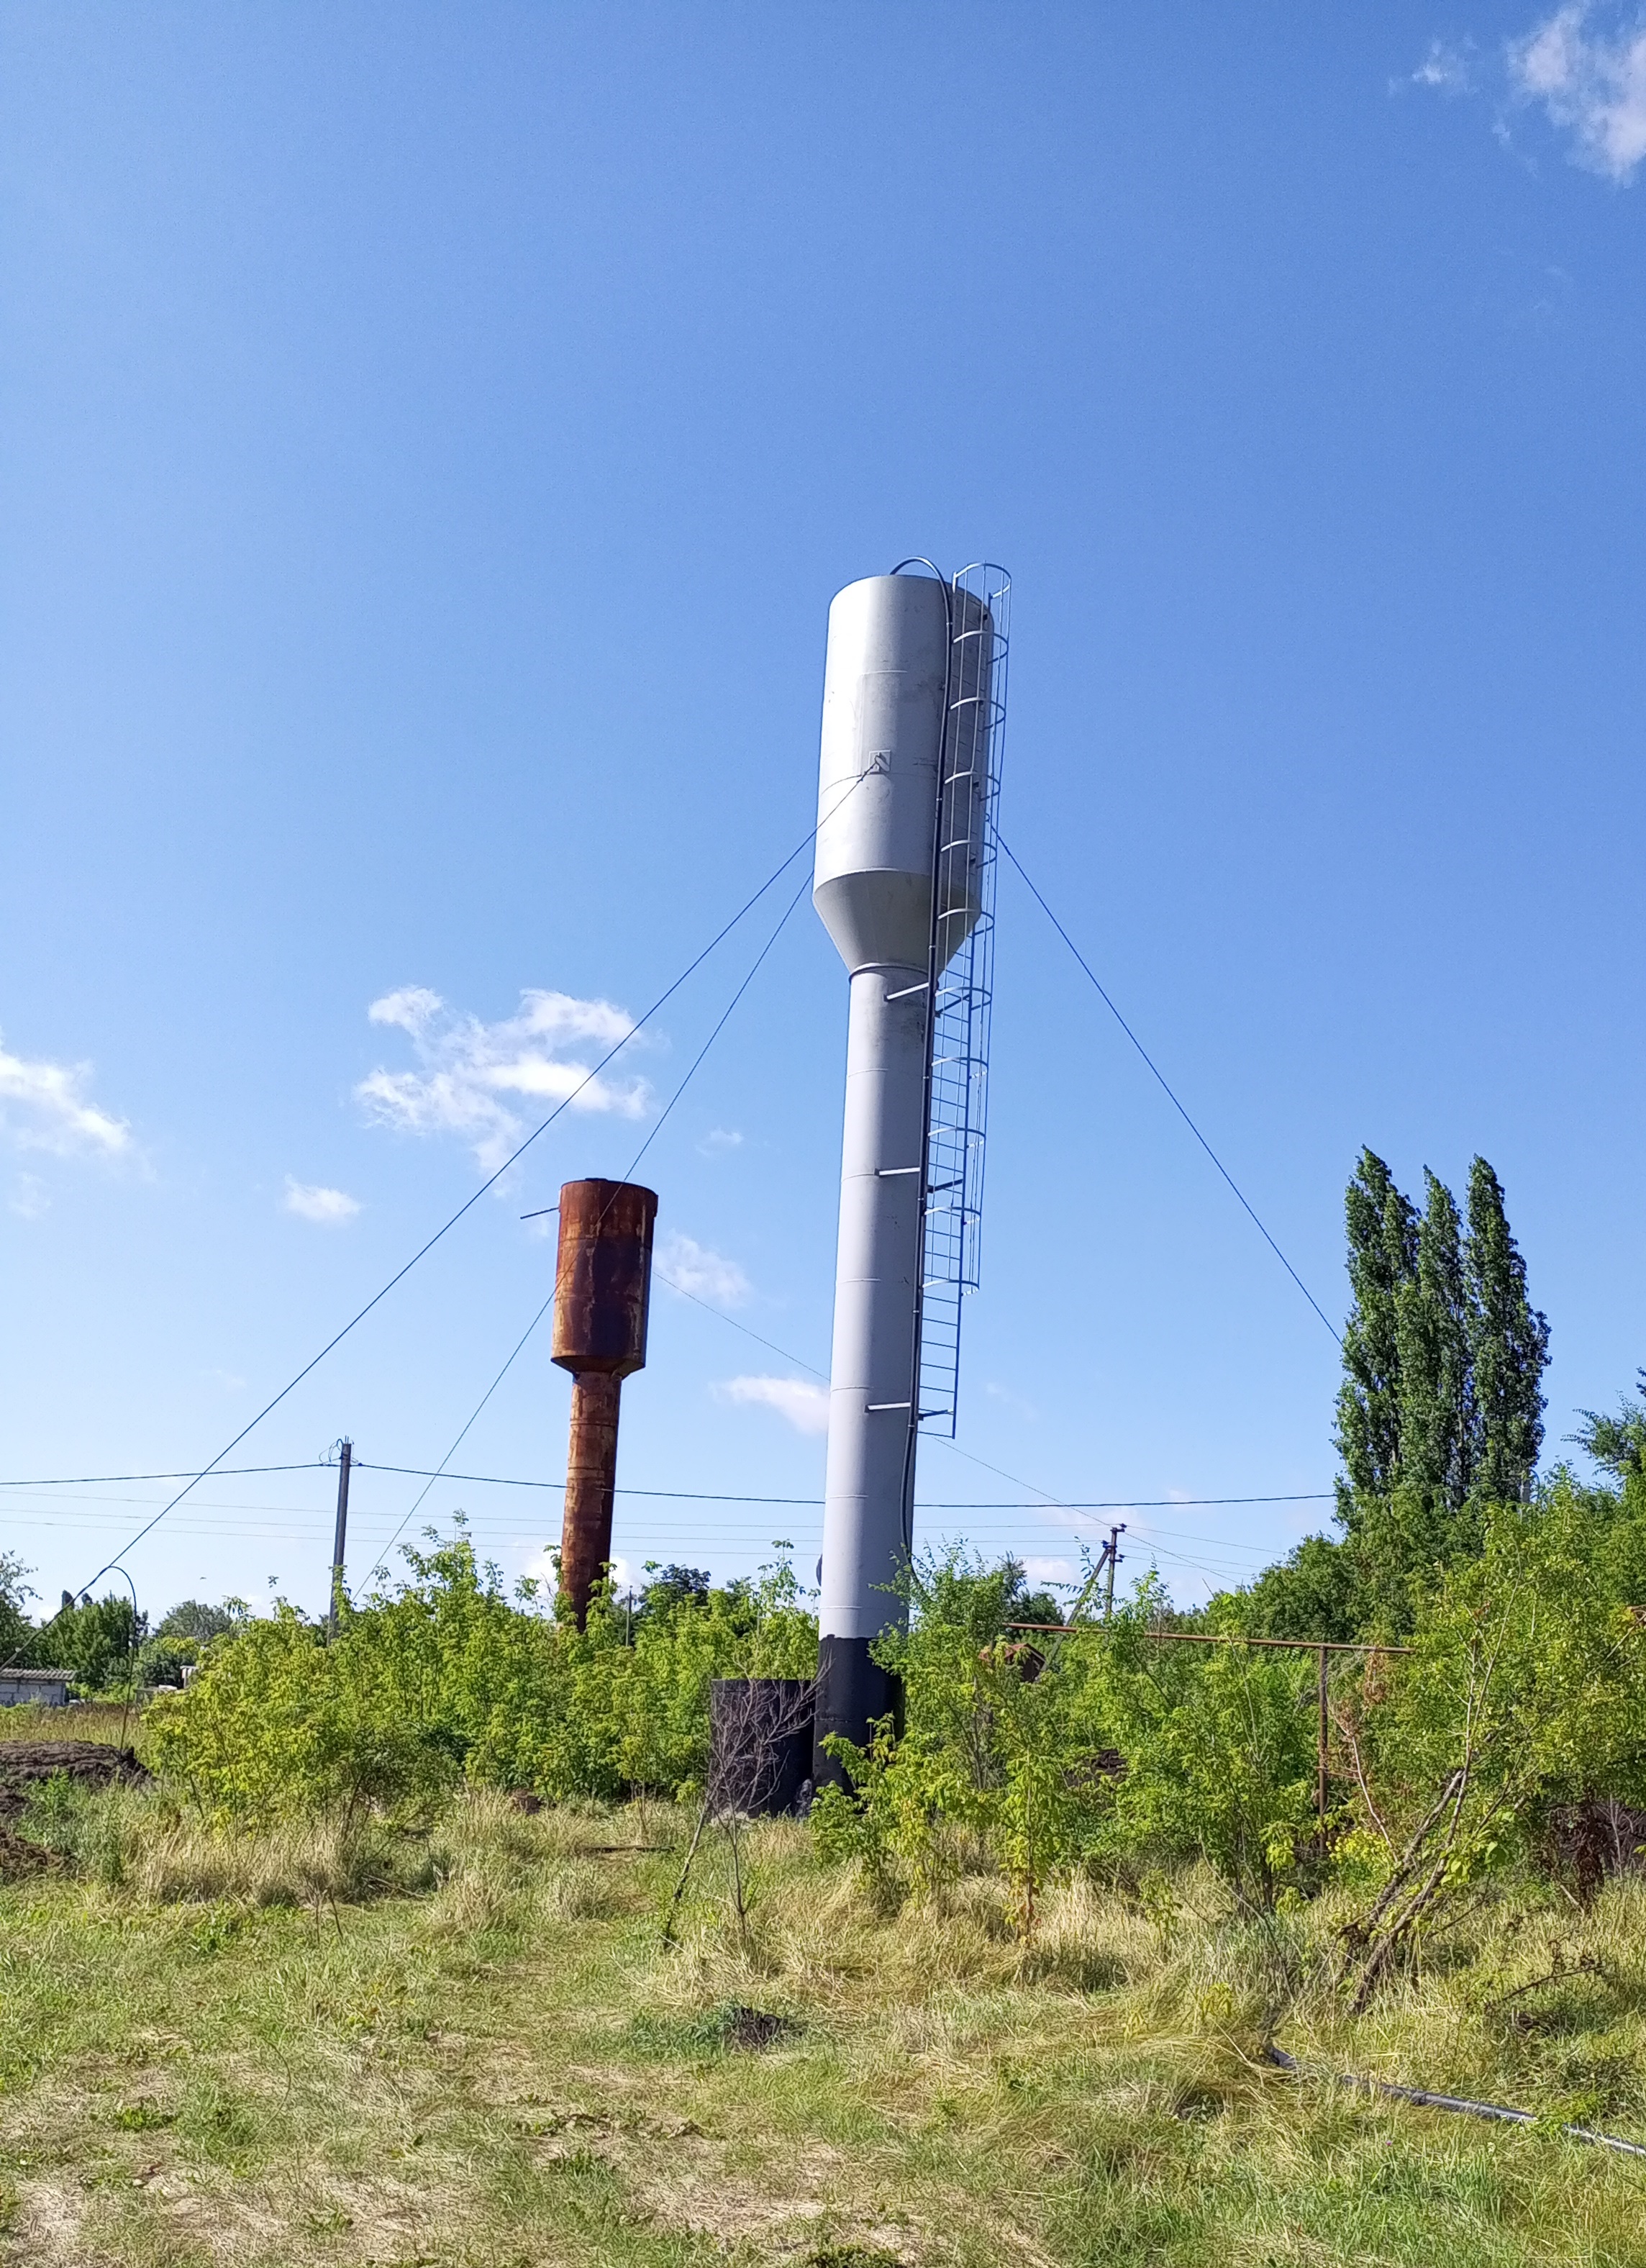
(95, 1764)
(20, 1857)
(754, 2028)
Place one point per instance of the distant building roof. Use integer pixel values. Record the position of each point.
(43, 1676)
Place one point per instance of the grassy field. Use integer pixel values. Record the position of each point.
(470, 2045)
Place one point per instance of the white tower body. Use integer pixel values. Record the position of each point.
(893, 675)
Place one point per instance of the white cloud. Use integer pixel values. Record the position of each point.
(1445, 69)
(43, 1107)
(805, 1406)
(310, 1200)
(412, 1007)
(29, 1198)
(1049, 1571)
(468, 1068)
(718, 1140)
(684, 1265)
(1589, 84)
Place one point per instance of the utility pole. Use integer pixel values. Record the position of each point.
(1323, 1738)
(1111, 1554)
(340, 1538)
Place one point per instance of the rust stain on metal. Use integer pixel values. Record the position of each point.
(602, 1294)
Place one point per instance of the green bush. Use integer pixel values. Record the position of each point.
(1526, 1688)
(1111, 1745)
(998, 1761)
(1219, 1746)
(444, 1677)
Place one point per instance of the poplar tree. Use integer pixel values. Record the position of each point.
(1436, 1397)
(1382, 1256)
(1508, 1346)
(1440, 1412)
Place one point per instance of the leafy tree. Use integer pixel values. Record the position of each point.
(1113, 1744)
(1440, 1411)
(1435, 1398)
(670, 1585)
(182, 1635)
(1382, 1256)
(1317, 1591)
(192, 1618)
(1527, 1688)
(1617, 1444)
(1509, 1345)
(17, 1631)
(95, 1640)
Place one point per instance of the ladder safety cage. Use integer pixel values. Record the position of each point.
(961, 975)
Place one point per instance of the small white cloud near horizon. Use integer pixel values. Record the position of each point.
(1049, 1571)
(1591, 85)
(803, 1405)
(687, 1266)
(467, 1069)
(43, 1106)
(311, 1200)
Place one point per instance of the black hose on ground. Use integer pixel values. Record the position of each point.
(1425, 2101)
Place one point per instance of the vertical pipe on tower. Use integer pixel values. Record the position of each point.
(602, 1292)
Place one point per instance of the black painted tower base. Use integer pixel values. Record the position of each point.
(852, 1691)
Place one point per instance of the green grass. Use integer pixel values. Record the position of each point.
(87, 1720)
(470, 2047)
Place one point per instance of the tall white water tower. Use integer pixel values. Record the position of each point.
(912, 706)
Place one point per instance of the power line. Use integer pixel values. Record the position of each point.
(1046, 1497)
(468, 1204)
(748, 1334)
(720, 1026)
(439, 1472)
(1167, 1091)
(696, 1495)
(252, 1527)
(721, 1496)
(223, 1472)
(657, 1129)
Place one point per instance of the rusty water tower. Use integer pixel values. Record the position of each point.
(602, 1290)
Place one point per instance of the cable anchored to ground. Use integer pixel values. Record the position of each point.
(1168, 1091)
(228, 1447)
(440, 1473)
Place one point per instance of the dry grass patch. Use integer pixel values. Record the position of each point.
(265, 2056)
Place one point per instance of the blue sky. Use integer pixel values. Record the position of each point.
(431, 438)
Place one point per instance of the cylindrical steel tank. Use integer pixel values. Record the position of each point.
(902, 651)
(759, 1744)
(602, 1292)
